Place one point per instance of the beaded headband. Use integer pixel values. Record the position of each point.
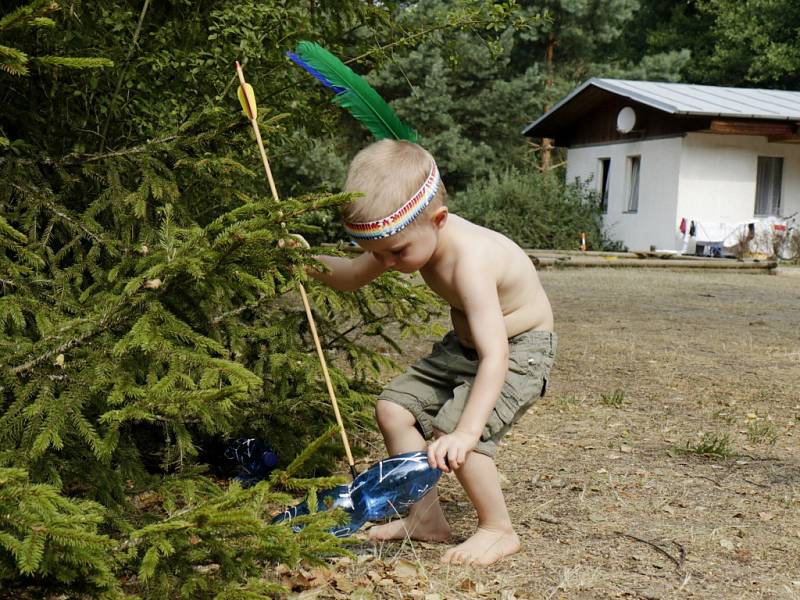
(403, 216)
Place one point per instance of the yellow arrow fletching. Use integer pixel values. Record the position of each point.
(247, 99)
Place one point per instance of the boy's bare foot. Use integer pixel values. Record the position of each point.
(430, 530)
(485, 547)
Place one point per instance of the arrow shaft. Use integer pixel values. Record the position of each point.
(251, 103)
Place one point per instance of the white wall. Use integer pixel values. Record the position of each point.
(718, 176)
(654, 222)
(700, 177)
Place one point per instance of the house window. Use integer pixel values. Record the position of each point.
(604, 166)
(769, 176)
(634, 167)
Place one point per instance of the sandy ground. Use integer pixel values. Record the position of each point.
(663, 463)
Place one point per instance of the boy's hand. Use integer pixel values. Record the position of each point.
(294, 240)
(451, 450)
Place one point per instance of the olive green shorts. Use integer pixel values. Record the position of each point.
(435, 389)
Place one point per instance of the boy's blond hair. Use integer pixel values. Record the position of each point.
(388, 173)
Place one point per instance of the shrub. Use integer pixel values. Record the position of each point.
(535, 210)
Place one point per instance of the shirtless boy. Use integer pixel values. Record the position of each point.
(483, 375)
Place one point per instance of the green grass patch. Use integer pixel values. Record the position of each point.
(762, 432)
(712, 444)
(569, 401)
(614, 399)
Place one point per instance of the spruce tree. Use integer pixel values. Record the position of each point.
(147, 310)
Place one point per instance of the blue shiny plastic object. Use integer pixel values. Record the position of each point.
(388, 488)
(255, 459)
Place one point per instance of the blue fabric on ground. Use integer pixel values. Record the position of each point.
(388, 488)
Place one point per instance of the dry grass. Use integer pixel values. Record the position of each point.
(607, 499)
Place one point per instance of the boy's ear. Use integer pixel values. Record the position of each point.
(439, 217)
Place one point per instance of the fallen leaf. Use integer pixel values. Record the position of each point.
(466, 585)
(147, 500)
(343, 583)
(321, 575)
(405, 569)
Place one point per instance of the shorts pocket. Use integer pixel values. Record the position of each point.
(520, 391)
(507, 408)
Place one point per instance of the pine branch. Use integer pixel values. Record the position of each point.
(90, 234)
(103, 325)
(13, 61)
(74, 62)
(74, 158)
(295, 465)
(29, 15)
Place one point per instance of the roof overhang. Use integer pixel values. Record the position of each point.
(672, 99)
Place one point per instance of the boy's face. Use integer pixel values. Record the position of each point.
(411, 249)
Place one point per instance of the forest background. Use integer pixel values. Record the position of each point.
(147, 313)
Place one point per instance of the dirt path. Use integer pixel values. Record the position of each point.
(606, 477)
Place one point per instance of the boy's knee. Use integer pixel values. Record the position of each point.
(390, 415)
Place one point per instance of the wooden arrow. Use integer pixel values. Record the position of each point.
(247, 99)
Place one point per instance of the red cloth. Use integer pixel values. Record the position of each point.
(683, 225)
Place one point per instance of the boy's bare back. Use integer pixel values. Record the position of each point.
(492, 260)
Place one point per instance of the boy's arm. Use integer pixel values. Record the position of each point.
(347, 274)
(487, 326)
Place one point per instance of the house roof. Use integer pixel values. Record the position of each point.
(691, 99)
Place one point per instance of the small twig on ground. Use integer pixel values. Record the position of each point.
(755, 483)
(711, 479)
(678, 561)
(653, 575)
(543, 504)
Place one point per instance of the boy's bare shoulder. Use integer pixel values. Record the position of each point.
(479, 245)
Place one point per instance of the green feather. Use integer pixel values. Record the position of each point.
(354, 93)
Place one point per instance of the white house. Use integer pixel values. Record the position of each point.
(659, 153)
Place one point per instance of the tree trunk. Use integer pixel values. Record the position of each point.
(547, 143)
